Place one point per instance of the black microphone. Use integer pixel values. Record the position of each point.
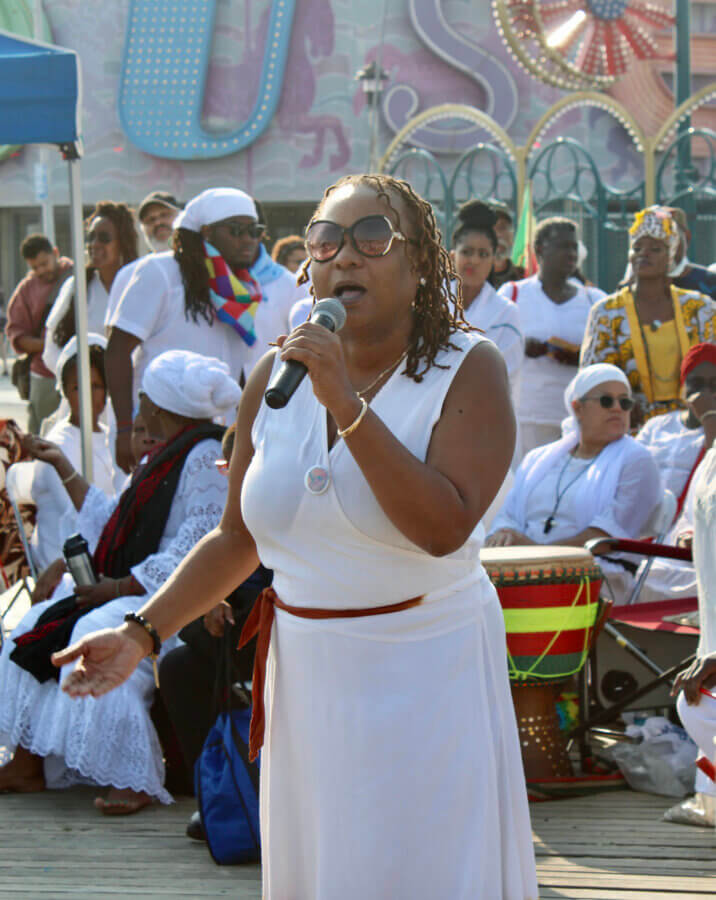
(329, 313)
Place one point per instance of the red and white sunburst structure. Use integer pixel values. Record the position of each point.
(581, 44)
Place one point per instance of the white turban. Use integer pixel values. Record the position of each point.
(215, 205)
(583, 382)
(69, 351)
(191, 385)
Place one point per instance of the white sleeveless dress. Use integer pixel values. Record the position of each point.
(391, 766)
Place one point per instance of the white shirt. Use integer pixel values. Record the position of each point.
(638, 491)
(674, 448)
(152, 309)
(56, 516)
(121, 280)
(97, 300)
(300, 312)
(499, 318)
(543, 380)
(196, 508)
(703, 503)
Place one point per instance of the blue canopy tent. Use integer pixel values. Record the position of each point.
(40, 103)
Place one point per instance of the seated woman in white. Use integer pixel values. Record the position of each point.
(678, 441)
(173, 500)
(596, 481)
(56, 517)
(474, 244)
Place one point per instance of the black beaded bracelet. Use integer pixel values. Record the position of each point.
(152, 632)
(149, 628)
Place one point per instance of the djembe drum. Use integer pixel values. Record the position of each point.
(550, 600)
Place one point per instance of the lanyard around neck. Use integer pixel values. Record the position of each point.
(549, 521)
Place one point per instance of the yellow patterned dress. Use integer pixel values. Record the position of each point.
(615, 335)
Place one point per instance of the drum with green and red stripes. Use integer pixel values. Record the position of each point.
(550, 600)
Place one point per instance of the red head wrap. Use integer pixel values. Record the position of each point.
(698, 354)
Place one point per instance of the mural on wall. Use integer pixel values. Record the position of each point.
(316, 126)
(166, 55)
(312, 39)
(497, 84)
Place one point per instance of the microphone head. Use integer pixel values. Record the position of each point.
(332, 308)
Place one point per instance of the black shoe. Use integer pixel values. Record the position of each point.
(195, 830)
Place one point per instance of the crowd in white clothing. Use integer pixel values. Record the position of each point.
(181, 340)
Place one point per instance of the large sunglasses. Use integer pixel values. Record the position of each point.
(237, 230)
(371, 236)
(104, 237)
(606, 401)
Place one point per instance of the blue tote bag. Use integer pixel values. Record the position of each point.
(227, 785)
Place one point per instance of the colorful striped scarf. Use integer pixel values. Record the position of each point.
(234, 295)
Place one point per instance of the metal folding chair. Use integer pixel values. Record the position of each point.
(617, 623)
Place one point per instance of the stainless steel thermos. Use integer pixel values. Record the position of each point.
(79, 561)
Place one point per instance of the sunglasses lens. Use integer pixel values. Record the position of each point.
(607, 402)
(323, 240)
(372, 236)
(256, 230)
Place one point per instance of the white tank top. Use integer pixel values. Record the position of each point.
(337, 549)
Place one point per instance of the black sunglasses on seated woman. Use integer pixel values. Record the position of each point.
(606, 401)
(371, 236)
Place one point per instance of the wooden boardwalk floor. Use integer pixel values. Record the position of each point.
(615, 846)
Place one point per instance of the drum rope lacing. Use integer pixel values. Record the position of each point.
(517, 675)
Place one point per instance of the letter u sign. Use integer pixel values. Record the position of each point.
(166, 55)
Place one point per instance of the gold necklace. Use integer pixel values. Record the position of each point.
(382, 374)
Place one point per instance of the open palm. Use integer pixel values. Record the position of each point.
(105, 660)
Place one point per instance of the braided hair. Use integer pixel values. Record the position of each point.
(437, 311)
(189, 253)
(120, 215)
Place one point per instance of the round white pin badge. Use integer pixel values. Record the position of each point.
(317, 480)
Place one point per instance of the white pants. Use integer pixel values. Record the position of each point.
(700, 722)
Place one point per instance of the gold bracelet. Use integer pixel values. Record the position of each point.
(70, 477)
(343, 433)
(709, 412)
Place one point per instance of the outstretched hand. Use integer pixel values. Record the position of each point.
(106, 659)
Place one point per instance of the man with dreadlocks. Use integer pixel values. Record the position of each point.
(391, 764)
(218, 294)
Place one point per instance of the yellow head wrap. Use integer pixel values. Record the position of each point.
(658, 223)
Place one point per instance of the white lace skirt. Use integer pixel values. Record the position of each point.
(109, 740)
(392, 766)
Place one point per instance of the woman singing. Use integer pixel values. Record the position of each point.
(391, 765)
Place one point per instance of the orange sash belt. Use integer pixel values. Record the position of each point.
(259, 623)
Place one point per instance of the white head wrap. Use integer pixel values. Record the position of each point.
(598, 488)
(69, 351)
(191, 385)
(215, 205)
(583, 382)
(657, 222)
